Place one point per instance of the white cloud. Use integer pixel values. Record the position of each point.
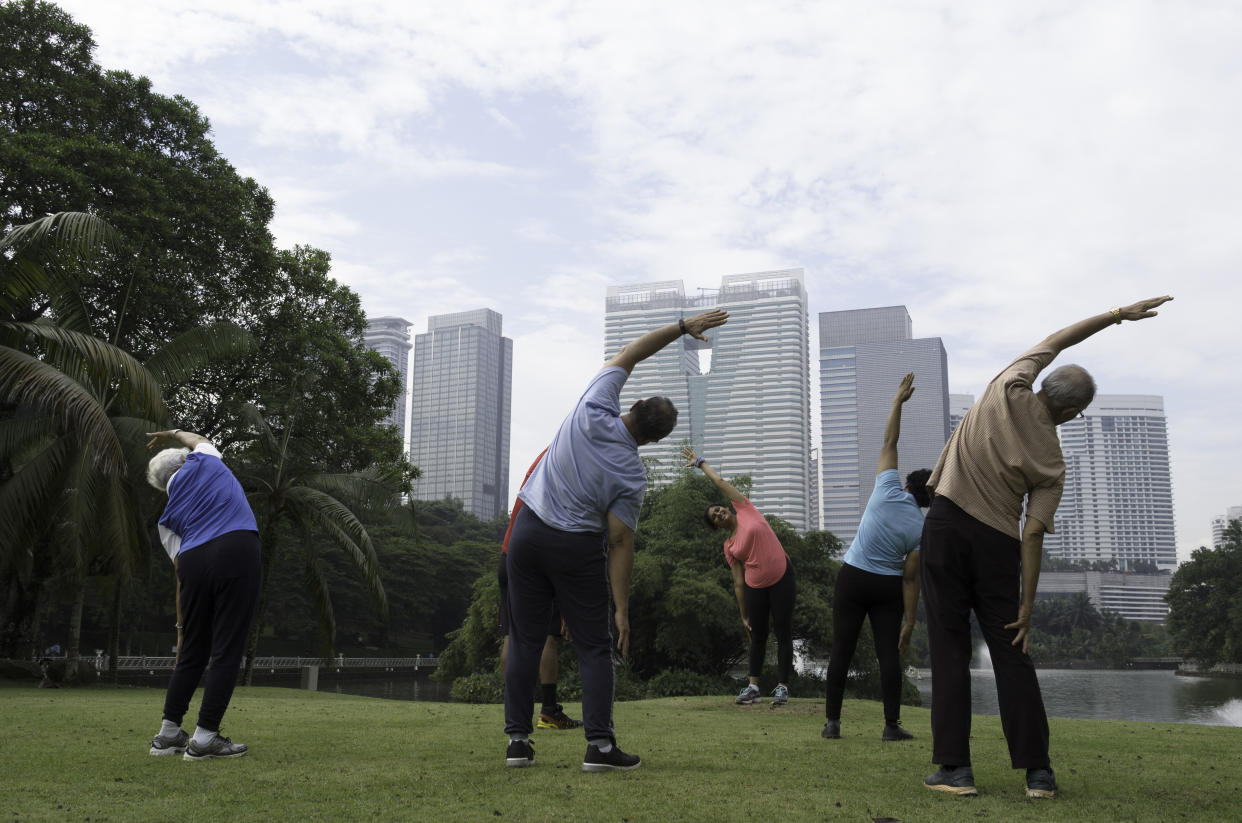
(1002, 169)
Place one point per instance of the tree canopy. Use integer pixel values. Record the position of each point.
(1205, 602)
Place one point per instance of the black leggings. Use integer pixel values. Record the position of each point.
(862, 594)
(220, 584)
(777, 601)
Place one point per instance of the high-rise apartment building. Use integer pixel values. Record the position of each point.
(749, 411)
(459, 426)
(1118, 499)
(390, 336)
(863, 354)
(1220, 525)
(959, 404)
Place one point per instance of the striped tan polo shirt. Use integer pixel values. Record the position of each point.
(1005, 449)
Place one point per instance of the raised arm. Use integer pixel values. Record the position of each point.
(173, 438)
(892, 429)
(724, 485)
(639, 350)
(1061, 340)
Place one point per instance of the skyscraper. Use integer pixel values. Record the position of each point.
(1118, 499)
(459, 432)
(748, 408)
(390, 336)
(1220, 525)
(863, 354)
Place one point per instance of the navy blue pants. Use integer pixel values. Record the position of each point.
(220, 584)
(861, 594)
(968, 565)
(547, 564)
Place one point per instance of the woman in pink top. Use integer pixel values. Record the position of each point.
(763, 580)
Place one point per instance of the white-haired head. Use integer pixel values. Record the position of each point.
(163, 466)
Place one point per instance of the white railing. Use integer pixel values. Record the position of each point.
(152, 663)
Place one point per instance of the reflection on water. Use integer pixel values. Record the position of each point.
(1156, 696)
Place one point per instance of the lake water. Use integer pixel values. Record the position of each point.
(1155, 696)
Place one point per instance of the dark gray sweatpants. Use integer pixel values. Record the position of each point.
(547, 564)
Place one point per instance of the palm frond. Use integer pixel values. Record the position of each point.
(251, 415)
(339, 523)
(73, 232)
(28, 380)
(24, 282)
(121, 535)
(317, 580)
(78, 516)
(177, 361)
(111, 367)
(24, 434)
(31, 495)
(370, 490)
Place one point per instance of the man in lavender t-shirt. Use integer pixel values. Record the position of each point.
(573, 541)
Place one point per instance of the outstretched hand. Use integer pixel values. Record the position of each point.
(157, 437)
(1143, 308)
(906, 389)
(695, 326)
(688, 455)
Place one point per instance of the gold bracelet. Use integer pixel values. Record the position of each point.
(1116, 313)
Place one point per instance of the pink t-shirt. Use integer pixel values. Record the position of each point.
(755, 545)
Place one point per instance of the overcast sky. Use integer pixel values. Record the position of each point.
(1002, 169)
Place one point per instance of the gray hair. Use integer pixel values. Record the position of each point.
(1069, 387)
(163, 466)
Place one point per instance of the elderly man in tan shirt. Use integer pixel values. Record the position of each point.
(976, 550)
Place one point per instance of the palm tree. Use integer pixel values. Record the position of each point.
(289, 492)
(73, 409)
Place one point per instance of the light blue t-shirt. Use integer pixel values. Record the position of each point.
(891, 528)
(205, 501)
(592, 467)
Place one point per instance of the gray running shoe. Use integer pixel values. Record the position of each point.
(176, 744)
(219, 747)
(780, 696)
(520, 754)
(611, 761)
(1041, 783)
(748, 695)
(959, 781)
(832, 730)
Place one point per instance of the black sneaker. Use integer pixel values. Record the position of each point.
(894, 731)
(832, 730)
(220, 746)
(1041, 783)
(161, 745)
(959, 781)
(520, 754)
(613, 760)
(556, 719)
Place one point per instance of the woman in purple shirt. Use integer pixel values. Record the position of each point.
(211, 535)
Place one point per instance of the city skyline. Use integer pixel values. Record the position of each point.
(527, 157)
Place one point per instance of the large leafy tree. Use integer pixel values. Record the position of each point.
(193, 245)
(1205, 602)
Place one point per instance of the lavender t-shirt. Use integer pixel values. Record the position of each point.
(592, 467)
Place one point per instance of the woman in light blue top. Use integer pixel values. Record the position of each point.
(879, 577)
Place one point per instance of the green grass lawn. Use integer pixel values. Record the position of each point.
(81, 755)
